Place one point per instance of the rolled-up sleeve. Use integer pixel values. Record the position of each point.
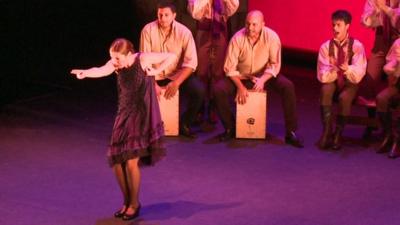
(190, 53)
(357, 69)
(395, 18)
(371, 16)
(392, 67)
(145, 40)
(274, 63)
(232, 58)
(325, 71)
(230, 7)
(197, 8)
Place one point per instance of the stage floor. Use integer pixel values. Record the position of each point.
(53, 169)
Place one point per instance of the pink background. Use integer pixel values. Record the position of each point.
(306, 24)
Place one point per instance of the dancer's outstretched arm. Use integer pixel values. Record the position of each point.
(94, 72)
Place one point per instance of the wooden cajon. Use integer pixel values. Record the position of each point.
(169, 109)
(251, 117)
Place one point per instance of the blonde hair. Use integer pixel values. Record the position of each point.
(122, 45)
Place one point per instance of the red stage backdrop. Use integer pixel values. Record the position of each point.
(305, 25)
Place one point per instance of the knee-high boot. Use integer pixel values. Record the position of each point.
(385, 119)
(326, 119)
(368, 130)
(395, 150)
(337, 136)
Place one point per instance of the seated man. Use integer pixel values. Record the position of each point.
(341, 66)
(167, 35)
(253, 61)
(391, 141)
(381, 16)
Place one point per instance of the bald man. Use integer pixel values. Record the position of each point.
(253, 61)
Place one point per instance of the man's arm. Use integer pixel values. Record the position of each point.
(230, 7)
(189, 64)
(230, 68)
(370, 17)
(392, 12)
(174, 85)
(196, 8)
(392, 67)
(145, 39)
(274, 62)
(356, 71)
(241, 93)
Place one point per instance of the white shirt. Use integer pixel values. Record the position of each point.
(327, 72)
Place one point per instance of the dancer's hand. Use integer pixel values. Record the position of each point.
(80, 74)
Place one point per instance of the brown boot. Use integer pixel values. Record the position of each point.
(326, 117)
(395, 151)
(385, 120)
(337, 136)
(368, 130)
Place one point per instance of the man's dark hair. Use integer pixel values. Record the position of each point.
(166, 4)
(342, 15)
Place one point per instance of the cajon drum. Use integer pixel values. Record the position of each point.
(251, 117)
(169, 109)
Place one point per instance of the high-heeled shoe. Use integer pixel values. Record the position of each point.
(119, 213)
(132, 216)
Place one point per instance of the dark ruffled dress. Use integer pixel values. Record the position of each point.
(138, 128)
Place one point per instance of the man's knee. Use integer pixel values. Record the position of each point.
(220, 88)
(326, 99)
(198, 91)
(345, 101)
(288, 87)
(382, 101)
